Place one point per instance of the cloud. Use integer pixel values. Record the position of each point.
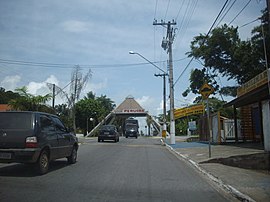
(10, 82)
(148, 104)
(40, 88)
(98, 86)
(160, 108)
(75, 26)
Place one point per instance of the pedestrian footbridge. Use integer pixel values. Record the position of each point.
(128, 108)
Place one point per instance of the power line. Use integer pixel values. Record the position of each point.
(167, 9)
(180, 10)
(249, 23)
(202, 41)
(156, 9)
(240, 11)
(186, 19)
(59, 65)
(226, 12)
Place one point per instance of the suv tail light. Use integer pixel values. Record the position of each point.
(31, 142)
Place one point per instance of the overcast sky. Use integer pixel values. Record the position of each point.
(98, 34)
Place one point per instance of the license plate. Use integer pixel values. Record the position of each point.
(5, 155)
(106, 133)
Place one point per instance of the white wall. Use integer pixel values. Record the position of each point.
(266, 124)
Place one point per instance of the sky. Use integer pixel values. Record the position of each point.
(41, 42)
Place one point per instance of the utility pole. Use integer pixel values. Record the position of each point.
(167, 45)
(164, 101)
(53, 96)
(268, 12)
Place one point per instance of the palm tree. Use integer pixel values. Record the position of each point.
(27, 101)
(149, 121)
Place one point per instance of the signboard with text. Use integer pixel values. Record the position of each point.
(187, 111)
(133, 111)
(253, 83)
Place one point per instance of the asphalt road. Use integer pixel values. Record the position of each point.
(130, 170)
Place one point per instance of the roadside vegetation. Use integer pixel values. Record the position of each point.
(220, 53)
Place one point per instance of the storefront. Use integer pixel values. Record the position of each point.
(253, 102)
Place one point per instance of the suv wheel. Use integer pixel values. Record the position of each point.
(73, 157)
(43, 162)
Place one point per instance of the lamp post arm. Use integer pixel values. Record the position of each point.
(131, 52)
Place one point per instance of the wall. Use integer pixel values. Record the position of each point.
(266, 125)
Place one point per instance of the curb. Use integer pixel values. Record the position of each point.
(227, 188)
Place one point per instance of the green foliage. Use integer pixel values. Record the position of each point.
(223, 52)
(93, 107)
(7, 96)
(29, 102)
(64, 113)
(197, 79)
(216, 105)
(181, 126)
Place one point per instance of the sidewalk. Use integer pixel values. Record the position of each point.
(238, 168)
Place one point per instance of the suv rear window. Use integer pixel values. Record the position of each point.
(16, 121)
(107, 127)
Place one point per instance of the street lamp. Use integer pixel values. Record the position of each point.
(135, 53)
(164, 87)
(90, 119)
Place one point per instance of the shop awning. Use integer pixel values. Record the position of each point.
(254, 96)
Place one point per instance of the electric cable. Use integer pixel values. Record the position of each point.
(240, 12)
(202, 41)
(226, 12)
(167, 9)
(59, 65)
(249, 23)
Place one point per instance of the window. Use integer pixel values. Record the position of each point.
(59, 125)
(16, 121)
(46, 124)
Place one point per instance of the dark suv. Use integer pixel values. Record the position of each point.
(35, 137)
(108, 132)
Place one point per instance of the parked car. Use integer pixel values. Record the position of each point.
(108, 132)
(36, 138)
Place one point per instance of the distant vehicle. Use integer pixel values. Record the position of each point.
(131, 128)
(36, 138)
(108, 132)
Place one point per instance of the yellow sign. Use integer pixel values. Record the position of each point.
(187, 111)
(164, 133)
(253, 83)
(206, 90)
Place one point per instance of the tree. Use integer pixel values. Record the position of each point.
(6, 96)
(223, 52)
(257, 36)
(197, 79)
(92, 107)
(29, 102)
(63, 112)
(149, 121)
(78, 82)
(107, 104)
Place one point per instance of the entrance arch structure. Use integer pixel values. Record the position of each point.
(128, 108)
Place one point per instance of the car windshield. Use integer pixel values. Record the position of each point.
(131, 127)
(107, 128)
(15, 121)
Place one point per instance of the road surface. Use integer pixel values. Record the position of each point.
(130, 170)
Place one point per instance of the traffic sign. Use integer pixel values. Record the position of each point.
(206, 90)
